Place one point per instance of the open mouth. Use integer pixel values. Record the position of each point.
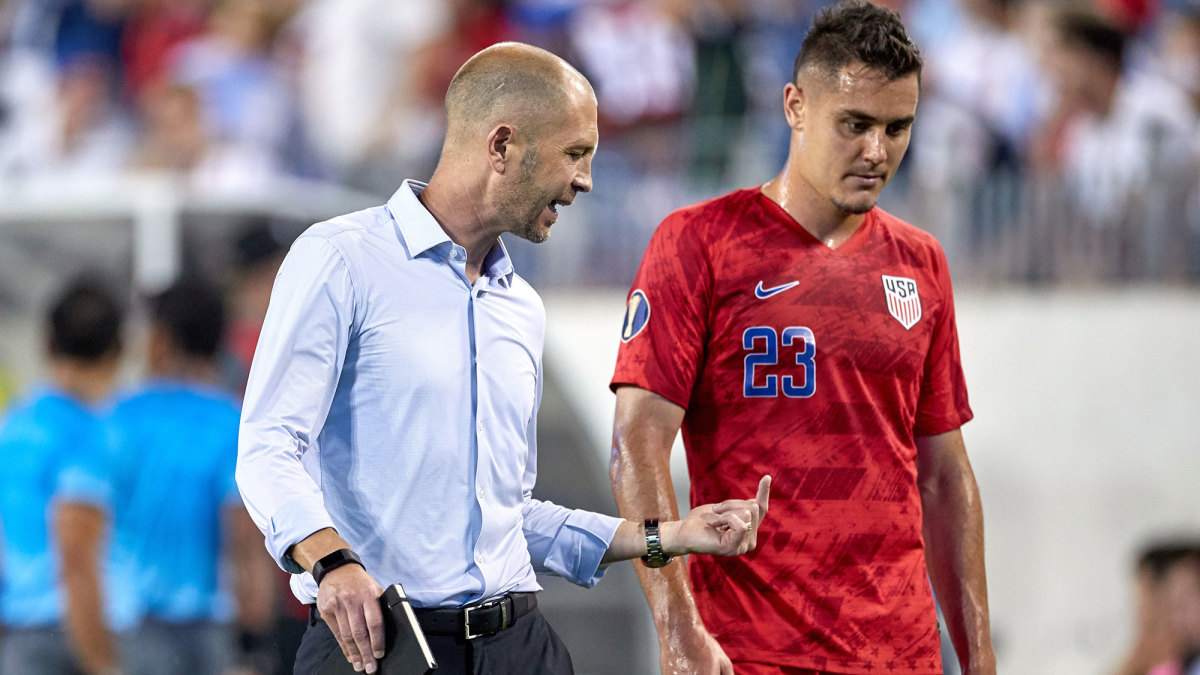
(557, 203)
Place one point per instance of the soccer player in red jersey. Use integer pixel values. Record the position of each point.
(798, 330)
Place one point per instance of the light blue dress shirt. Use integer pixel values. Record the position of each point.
(394, 401)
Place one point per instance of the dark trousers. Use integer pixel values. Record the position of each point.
(195, 647)
(37, 651)
(530, 647)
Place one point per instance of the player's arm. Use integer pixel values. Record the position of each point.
(79, 528)
(255, 586)
(953, 530)
(644, 429)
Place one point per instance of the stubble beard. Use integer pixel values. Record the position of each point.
(853, 209)
(516, 204)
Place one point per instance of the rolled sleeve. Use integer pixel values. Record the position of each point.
(567, 542)
(292, 382)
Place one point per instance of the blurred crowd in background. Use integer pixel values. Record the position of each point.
(1055, 143)
(1055, 140)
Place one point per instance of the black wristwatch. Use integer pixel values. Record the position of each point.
(342, 556)
(655, 555)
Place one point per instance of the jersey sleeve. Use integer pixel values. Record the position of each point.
(85, 475)
(943, 404)
(666, 314)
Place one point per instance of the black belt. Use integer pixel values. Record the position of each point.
(470, 622)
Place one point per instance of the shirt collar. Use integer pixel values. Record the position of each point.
(421, 232)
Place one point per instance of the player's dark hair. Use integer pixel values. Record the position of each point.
(1084, 30)
(857, 31)
(84, 321)
(1158, 558)
(192, 311)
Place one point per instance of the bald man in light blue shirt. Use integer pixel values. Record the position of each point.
(389, 427)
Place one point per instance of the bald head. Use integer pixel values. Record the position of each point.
(510, 83)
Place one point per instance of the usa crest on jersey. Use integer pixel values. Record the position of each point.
(903, 301)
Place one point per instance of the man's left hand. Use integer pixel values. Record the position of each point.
(727, 528)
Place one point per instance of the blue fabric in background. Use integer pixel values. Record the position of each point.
(52, 449)
(177, 453)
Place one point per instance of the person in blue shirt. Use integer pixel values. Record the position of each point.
(56, 496)
(390, 419)
(179, 515)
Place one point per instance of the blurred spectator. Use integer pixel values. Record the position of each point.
(355, 83)
(84, 134)
(405, 136)
(154, 30)
(180, 516)
(639, 58)
(62, 114)
(175, 138)
(90, 28)
(1180, 57)
(257, 258)
(473, 25)
(983, 90)
(1167, 592)
(56, 496)
(1181, 596)
(1112, 132)
(720, 101)
(1131, 16)
(1152, 641)
(245, 101)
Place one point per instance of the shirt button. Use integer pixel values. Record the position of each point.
(479, 558)
(479, 427)
(482, 495)
(454, 254)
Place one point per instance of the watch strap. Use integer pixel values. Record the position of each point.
(340, 557)
(655, 555)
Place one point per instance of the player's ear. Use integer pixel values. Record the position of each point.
(793, 106)
(499, 147)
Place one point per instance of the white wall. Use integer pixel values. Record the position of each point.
(1086, 441)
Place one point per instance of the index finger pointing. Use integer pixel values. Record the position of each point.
(764, 494)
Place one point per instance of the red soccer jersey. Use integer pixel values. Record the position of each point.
(818, 366)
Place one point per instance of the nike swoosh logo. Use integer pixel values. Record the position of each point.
(764, 293)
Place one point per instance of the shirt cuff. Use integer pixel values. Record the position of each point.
(580, 545)
(293, 522)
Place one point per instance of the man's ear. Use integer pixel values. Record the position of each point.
(793, 106)
(499, 147)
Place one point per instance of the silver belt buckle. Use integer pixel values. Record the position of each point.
(487, 605)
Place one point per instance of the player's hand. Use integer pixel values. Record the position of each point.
(692, 651)
(728, 528)
(348, 600)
